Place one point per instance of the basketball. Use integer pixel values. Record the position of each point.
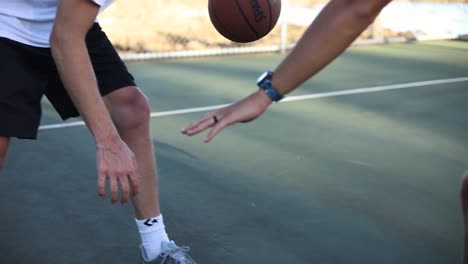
(244, 20)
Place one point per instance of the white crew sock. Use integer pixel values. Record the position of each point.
(152, 232)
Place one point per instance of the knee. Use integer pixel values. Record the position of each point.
(130, 109)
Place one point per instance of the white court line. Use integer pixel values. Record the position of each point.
(288, 99)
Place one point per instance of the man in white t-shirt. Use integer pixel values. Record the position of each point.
(55, 48)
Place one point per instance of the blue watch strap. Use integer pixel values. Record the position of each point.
(265, 84)
(271, 91)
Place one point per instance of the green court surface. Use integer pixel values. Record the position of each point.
(368, 177)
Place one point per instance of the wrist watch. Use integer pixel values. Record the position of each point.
(264, 82)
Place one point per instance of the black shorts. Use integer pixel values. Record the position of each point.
(27, 73)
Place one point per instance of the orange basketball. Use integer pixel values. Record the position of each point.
(244, 20)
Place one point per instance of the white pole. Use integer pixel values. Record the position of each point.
(284, 26)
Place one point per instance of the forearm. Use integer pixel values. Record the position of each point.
(72, 60)
(336, 27)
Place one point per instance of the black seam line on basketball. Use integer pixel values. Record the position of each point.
(246, 19)
(221, 24)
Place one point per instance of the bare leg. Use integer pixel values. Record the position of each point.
(464, 202)
(4, 142)
(130, 112)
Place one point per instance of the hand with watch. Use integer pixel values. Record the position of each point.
(242, 111)
(328, 36)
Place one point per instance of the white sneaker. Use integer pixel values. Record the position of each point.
(170, 254)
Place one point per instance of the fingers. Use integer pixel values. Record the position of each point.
(117, 178)
(200, 125)
(193, 125)
(214, 120)
(216, 129)
(125, 188)
(114, 189)
(120, 180)
(205, 122)
(102, 175)
(129, 185)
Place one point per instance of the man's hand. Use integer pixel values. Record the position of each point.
(117, 162)
(244, 110)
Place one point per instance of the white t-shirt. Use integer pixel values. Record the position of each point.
(30, 21)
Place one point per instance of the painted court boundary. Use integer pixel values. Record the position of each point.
(288, 99)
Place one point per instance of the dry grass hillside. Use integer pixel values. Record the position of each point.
(163, 25)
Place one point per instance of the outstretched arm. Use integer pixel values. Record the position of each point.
(335, 28)
(114, 158)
